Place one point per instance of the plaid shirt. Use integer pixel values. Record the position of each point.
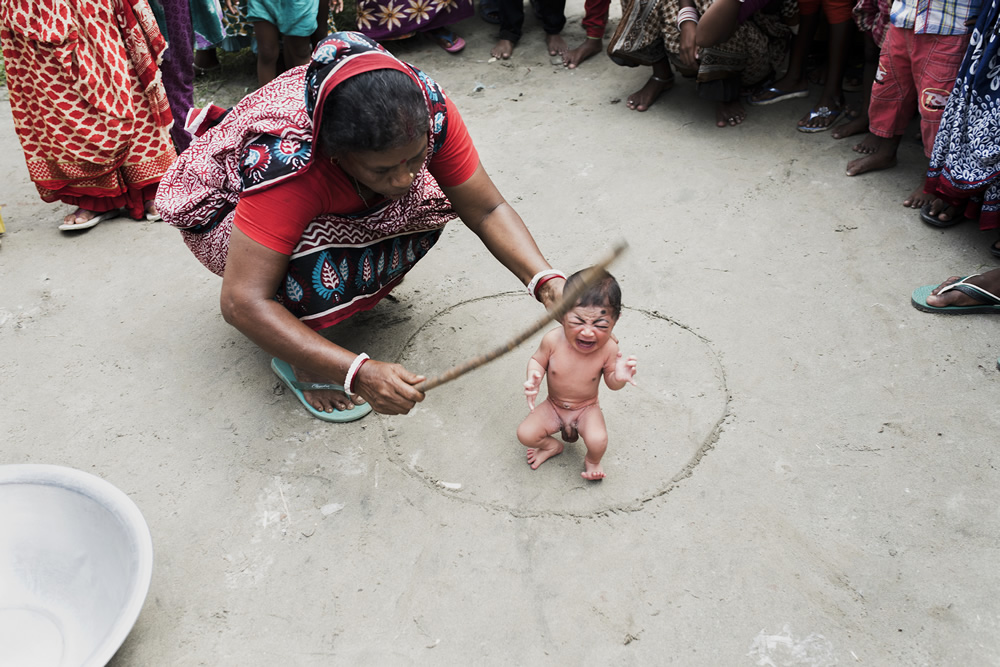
(934, 17)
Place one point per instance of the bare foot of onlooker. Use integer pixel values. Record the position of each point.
(643, 98)
(856, 125)
(884, 157)
(557, 45)
(502, 49)
(592, 471)
(539, 455)
(591, 47)
(918, 198)
(868, 145)
(729, 113)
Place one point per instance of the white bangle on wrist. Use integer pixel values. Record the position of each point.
(540, 276)
(352, 371)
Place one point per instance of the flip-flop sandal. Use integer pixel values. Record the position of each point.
(991, 305)
(489, 11)
(777, 95)
(933, 220)
(995, 249)
(93, 222)
(287, 376)
(447, 40)
(821, 112)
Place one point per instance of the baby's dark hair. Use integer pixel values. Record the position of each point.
(373, 111)
(605, 292)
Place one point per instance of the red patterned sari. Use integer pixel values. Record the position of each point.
(88, 104)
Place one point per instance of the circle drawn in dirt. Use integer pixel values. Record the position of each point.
(461, 439)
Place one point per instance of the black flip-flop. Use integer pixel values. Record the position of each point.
(930, 219)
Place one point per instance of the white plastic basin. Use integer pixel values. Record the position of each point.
(75, 563)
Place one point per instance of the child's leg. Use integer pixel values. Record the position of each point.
(322, 23)
(595, 436)
(859, 123)
(832, 96)
(936, 59)
(511, 25)
(535, 433)
(595, 21)
(298, 50)
(553, 16)
(268, 50)
(892, 102)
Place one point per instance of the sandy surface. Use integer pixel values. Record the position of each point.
(805, 475)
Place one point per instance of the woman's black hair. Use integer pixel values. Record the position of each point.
(604, 293)
(373, 111)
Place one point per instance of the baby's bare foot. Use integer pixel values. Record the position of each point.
(592, 471)
(539, 455)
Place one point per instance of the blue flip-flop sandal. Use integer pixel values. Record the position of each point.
(287, 376)
(990, 305)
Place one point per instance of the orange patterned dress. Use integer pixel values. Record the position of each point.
(88, 104)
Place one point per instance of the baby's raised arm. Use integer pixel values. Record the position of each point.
(621, 370)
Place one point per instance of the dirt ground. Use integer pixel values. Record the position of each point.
(805, 474)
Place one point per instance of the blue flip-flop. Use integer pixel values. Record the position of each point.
(287, 376)
(825, 113)
(990, 305)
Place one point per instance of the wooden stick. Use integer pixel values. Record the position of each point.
(568, 300)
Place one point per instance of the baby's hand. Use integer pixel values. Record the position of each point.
(625, 369)
(531, 388)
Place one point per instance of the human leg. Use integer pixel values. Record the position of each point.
(553, 16)
(535, 434)
(595, 21)
(511, 28)
(935, 62)
(268, 50)
(322, 23)
(793, 83)
(892, 102)
(832, 97)
(659, 82)
(859, 122)
(298, 50)
(177, 68)
(595, 436)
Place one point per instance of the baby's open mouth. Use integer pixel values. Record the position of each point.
(585, 344)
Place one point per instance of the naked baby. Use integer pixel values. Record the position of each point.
(575, 356)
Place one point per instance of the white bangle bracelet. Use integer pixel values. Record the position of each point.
(355, 365)
(533, 284)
